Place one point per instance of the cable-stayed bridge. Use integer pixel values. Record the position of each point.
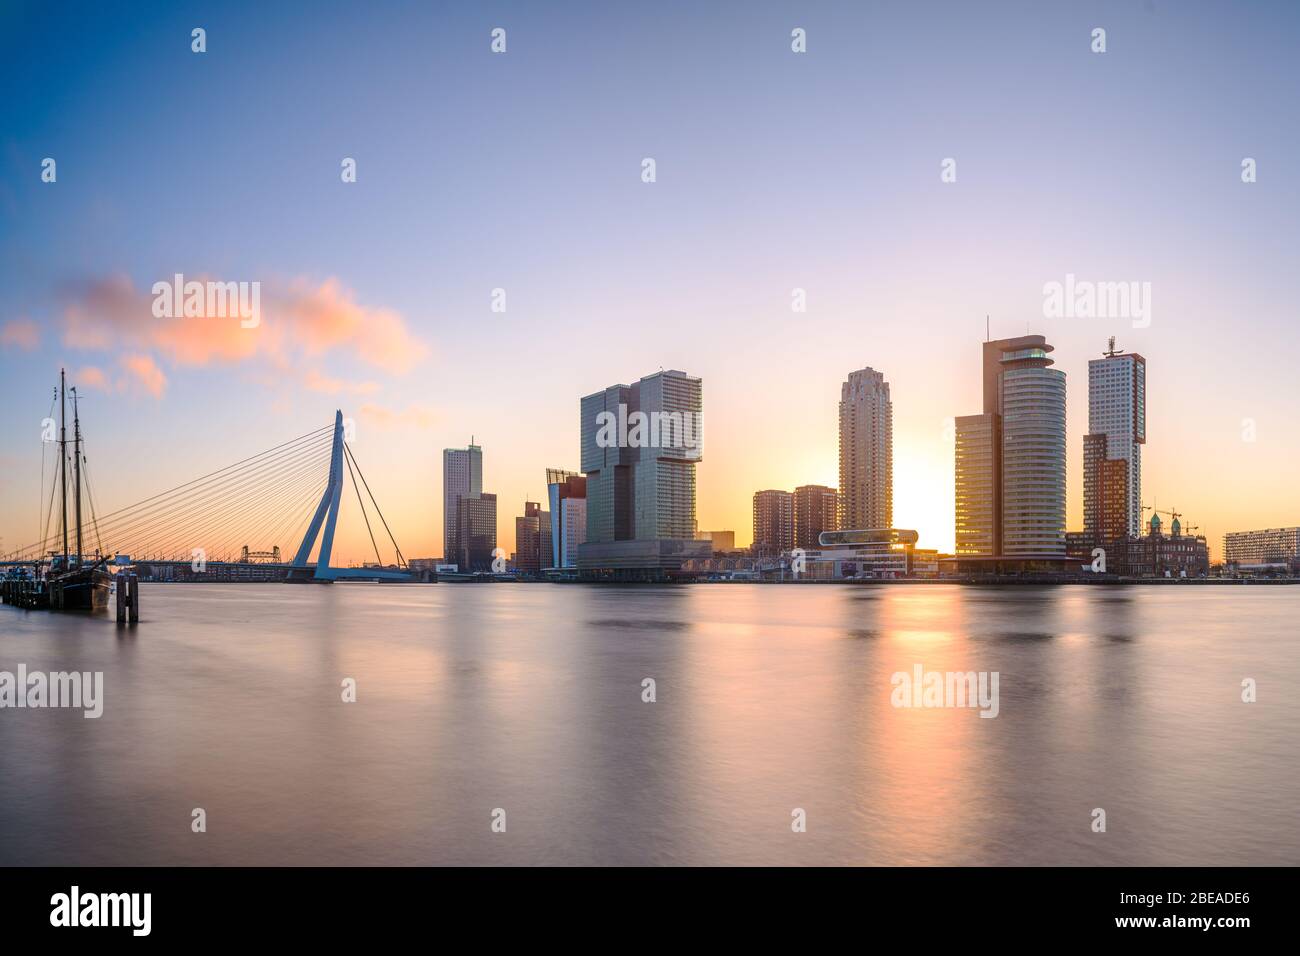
(291, 493)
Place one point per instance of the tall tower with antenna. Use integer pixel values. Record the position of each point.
(1112, 448)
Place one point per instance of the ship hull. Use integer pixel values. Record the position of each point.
(81, 590)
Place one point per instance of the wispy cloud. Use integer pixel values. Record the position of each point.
(301, 323)
(143, 373)
(138, 374)
(413, 416)
(20, 334)
(317, 382)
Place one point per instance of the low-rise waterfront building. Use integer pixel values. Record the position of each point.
(1270, 549)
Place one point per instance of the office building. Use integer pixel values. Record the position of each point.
(1010, 463)
(640, 445)
(532, 539)
(462, 475)
(476, 531)
(1112, 449)
(977, 484)
(816, 509)
(866, 451)
(567, 492)
(773, 521)
(1278, 548)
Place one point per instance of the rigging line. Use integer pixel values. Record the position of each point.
(254, 527)
(38, 548)
(196, 526)
(132, 511)
(181, 519)
(261, 517)
(90, 495)
(40, 492)
(357, 489)
(164, 511)
(143, 533)
(219, 471)
(230, 502)
(197, 499)
(303, 517)
(283, 528)
(401, 561)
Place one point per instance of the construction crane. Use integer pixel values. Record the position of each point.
(1111, 351)
(1161, 511)
(1174, 515)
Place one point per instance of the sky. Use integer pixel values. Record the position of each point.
(522, 171)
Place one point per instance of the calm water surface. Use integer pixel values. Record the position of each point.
(528, 698)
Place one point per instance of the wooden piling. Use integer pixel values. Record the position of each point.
(121, 589)
(135, 598)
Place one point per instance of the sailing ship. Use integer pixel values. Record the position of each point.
(74, 581)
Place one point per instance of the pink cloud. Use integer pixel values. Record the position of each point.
(20, 333)
(317, 382)
(143, 372)
(91, 377)
(298, 321)
(415, 416)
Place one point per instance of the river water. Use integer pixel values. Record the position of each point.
(528, 699)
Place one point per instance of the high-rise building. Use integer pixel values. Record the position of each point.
(640, 445)
(462, 474)
(1272, 546)
(773, 521)
(816, 509)
(567, 492)
(978, 485)
(866, 452)
(532, 539)
(476, 531)
(1010, 460)
(1112, 449)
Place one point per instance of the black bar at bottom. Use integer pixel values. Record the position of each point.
(373, 904)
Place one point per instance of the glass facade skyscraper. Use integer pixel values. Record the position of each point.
(1010, 459)
(640, 445)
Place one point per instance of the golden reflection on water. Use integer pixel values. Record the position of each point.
(768, 699)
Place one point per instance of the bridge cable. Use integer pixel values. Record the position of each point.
(401, 561)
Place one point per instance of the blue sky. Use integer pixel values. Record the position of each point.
(775, 170)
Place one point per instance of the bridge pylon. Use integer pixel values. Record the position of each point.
(327, 514)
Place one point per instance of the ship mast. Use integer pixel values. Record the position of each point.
(63, 462)
(76, 466)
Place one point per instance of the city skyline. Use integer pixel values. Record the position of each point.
(464, 466)
(697, 270)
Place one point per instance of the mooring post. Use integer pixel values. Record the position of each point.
(121, 597)
(135, 598)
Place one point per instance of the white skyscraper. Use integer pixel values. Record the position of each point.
(866, 452)
(1112, 449)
